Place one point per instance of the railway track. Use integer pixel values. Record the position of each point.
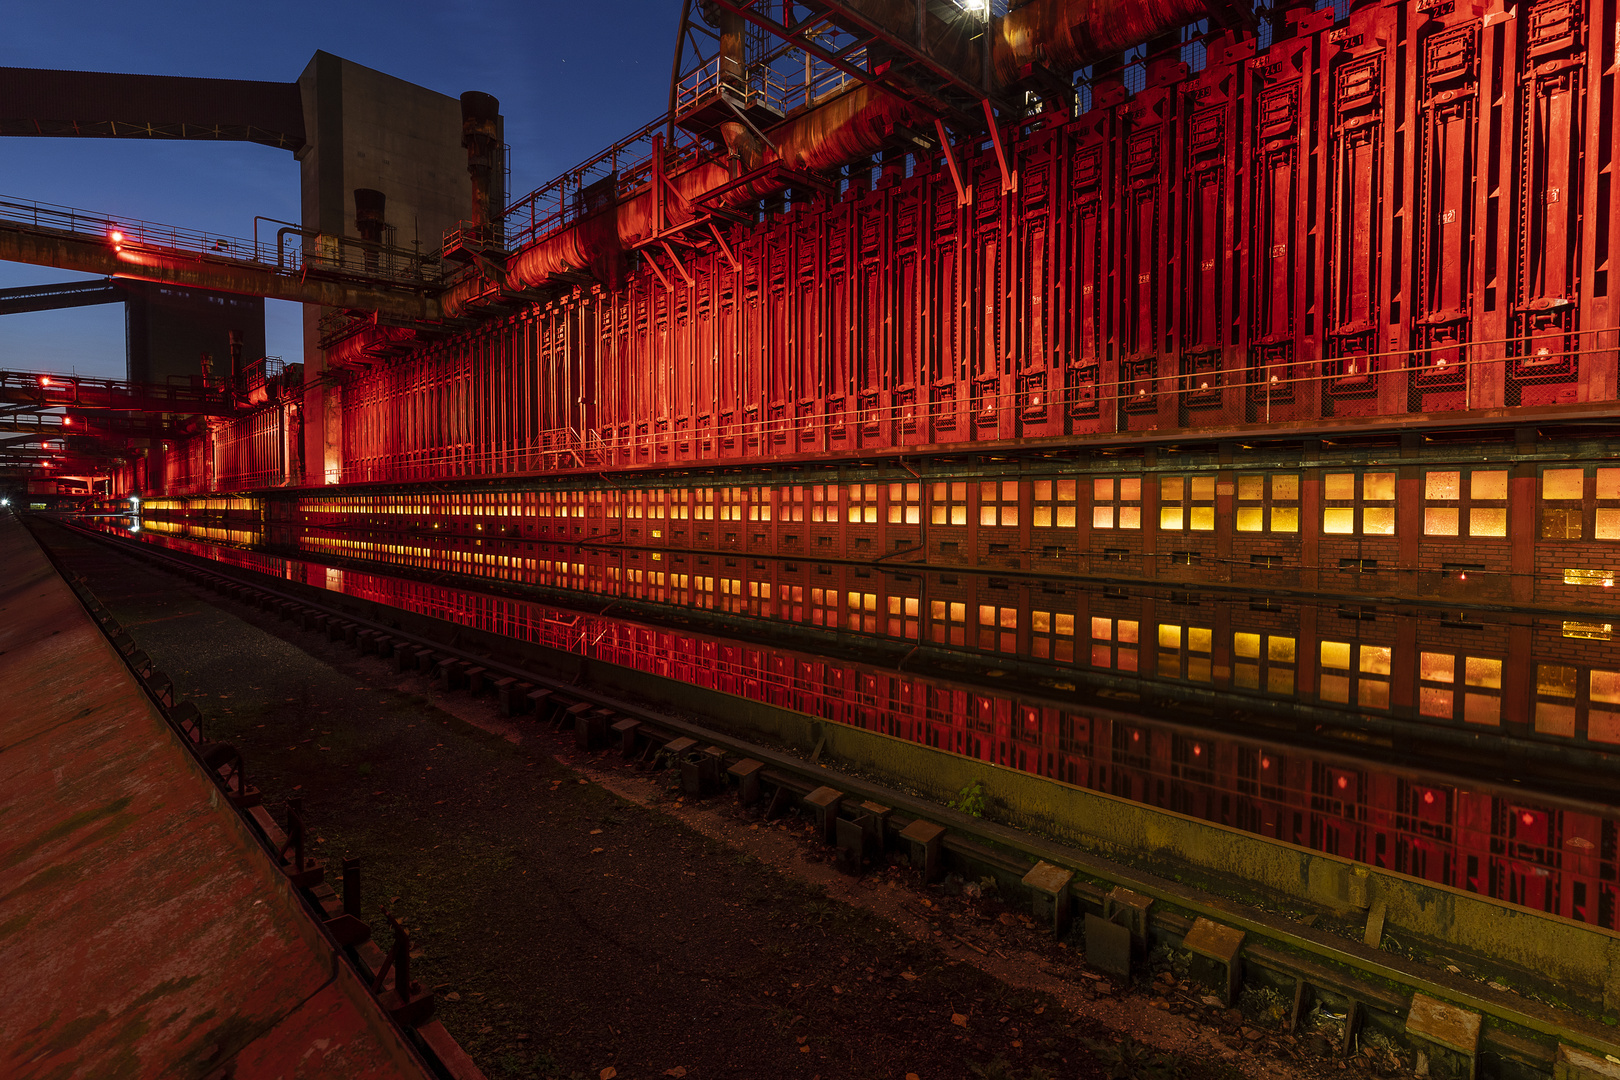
(1123, 910)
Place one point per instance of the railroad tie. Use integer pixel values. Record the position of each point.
(626, 730)
(478, 680)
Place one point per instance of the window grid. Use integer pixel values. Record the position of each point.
(1358, 504)
(1116, 503)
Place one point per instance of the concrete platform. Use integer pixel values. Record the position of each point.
(143, 930)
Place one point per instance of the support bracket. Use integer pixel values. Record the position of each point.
(964, 194)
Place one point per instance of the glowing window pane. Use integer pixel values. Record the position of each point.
(1009, 491)
(1488, 484)
(1603, 726)
(1130, 517)
(939, 493)
(1335, 654)
(1009, 618)
(1198, 670)
(1607, 525)
(1373, 693)
(1102, 490)
(1441, 485)
(1169, 636)
(1199, 639)
(1378, 486)
(1246, 676)
(1563, 483)
(1131, 490)
(1555, 719)
(959, 491)
(1009, 514)
(1482, 709)
(1608, 483)
(987, 615)
(1487, 521)
(987, 514)
(987, 491)
(1251, 488)
(1285, 487)
(1440, 521)
(1378, 521)
(1340, 520)
(1102, 656)
(1043, 490)
(1065, 517)
(1065, 490)
(1335, 688)
(1432, 701)
(1339, 486)
(1480, 671)
(1280, 681)
(1605, 687)
(1437, 667)
(1102, 629)
(1040, 622)
(1246, 646)
(1169, 665)
(1102, 517)
(1171, 488)
(1125, 631)
(958, 612)
(1280, 650)
(1169, 517)
(959, 513)
(1284, 519)
(1202, 488)
(1375, 659)
(1064, 624)
(1203, 518)
(1555, 680)
(1603, 579)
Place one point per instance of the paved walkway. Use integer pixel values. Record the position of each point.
(143, 932)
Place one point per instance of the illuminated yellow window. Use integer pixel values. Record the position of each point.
(903, 616)
(998, 502)
(1054, 504)
(948, 621)
(1555, 693)
(1187, 502)
(1374, 507)
(1116, 503)
(1114, 643)
(1279, 506)
(1585, 576)
(862, 612)
(948, 504)
(998, 628)
(904, 504)
(863, 504)
(1052, 635)
(1603, 719)
(1606, 519)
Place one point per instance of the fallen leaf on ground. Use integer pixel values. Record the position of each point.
(608, 1073)
(676, 1071)
(908, 976)
(959, 1020)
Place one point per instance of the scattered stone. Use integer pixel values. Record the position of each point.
(452, 996)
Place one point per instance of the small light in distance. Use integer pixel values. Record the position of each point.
(44, 380)
(116, 238)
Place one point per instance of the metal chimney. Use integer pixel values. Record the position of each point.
(481, 135)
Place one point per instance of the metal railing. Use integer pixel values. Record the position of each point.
(1261, 394)
(314, 253)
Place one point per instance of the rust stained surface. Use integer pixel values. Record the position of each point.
(141, 932)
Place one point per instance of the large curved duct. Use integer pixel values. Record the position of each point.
(1062, 35)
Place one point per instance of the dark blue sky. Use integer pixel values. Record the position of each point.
(571, 78)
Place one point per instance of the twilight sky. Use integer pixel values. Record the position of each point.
(571, 79)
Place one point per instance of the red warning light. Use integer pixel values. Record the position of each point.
(1265, 763)
(1136, 736)
(1428, 797)
(44, 380)
(1528, 818)
(116, 237)
(1197, 750)
(1343, 783)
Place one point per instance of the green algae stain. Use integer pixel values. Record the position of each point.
(75, 1032)
(65, 828)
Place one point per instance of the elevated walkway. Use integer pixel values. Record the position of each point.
(143, 931)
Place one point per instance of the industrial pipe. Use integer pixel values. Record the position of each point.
(481, 135)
